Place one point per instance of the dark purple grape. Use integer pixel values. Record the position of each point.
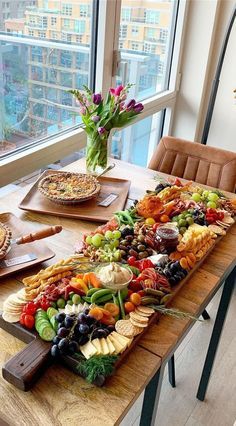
(56, 340)
(83, 339)
(63, 332)
(55, 351)
(73, 347)
(63, 344)
(101, 333)
(86, 311)
(82, 317)
(111, 328)
(90, 320)
(84, 329)
(69, 321)
(60, 317)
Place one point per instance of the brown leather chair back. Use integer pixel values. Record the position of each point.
(194, 161)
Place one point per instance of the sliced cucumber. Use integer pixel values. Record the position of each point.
(54, 323)
(41, 323)
(51, 312)
(41, 313)
(47, 333)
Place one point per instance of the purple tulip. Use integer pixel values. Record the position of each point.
(95, 118)
(101, 130)
(138, 107)
(130, 104)
(97, 98)
(112, 91)
(118, 90)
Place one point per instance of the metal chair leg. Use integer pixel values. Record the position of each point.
(205, 315)
(216, 333)
(171, 371)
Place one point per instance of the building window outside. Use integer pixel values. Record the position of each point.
(152, 16)
(79, 39)
(42, 34)
(125, 14)
(84, 10)
(121, 45)
(53, 21)
(134, 46)
(67, 9)
(163, 35)
(123, 31)
(31, 33)
(134, 31)
(54, 35)
(149, 48)
(79, 26)
(151, 33)
(66, 23)
(161, 68)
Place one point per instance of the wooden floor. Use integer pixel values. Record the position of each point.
(179, 407)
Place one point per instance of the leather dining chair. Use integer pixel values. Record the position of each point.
(201, 163)
(193, 161)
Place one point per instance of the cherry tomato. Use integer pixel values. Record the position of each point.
(45, 304)
(135, 298)
(142, 293)
(29, 321)
(132, 261)
(129, 293)
(135, 285)
(129, 307)
(31, 308)
(221, 215)
(164, 218)
(22, 318)
(155, 226)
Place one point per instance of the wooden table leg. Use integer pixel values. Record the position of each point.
(216, 334)
(151, 399)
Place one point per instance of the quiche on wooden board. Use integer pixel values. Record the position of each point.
(5, 240)
(69, 188)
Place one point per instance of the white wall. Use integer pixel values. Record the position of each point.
(207, 21)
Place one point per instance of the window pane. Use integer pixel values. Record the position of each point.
(145, 42)
(136, 143)
(44, 52)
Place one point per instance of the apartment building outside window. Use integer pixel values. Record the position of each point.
(163, 34)
(39, 70)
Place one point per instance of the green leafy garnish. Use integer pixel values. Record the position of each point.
(97, 365)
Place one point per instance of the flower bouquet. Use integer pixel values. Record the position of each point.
(100, 116)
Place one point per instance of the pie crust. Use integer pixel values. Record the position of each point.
(5, 240)
(69, 188)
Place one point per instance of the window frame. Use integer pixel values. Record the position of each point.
(69, 141)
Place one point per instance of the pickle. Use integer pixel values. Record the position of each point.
(154, 292)
(149, 300)
(165, 299)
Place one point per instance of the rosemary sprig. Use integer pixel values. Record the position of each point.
(174, 313)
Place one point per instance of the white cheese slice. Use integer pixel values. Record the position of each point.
(88, 350)
(110, 345)
(118, 346)
(104, 345)
(122, 339)
(98, 346)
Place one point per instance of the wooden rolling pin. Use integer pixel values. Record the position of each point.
(39, 235)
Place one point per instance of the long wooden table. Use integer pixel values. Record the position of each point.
(60, 397)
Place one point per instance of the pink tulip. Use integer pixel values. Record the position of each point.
(118, 90)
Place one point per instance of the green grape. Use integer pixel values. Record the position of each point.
(107, 247)
(96, 240)
(116, 234)
(182, 223)
(109, 235)
(211, 205)
(114, 244)
(196, 197)
(117, 255)
(189, 220)
(205, 194)
(88, 239)
(213, 196)
(182, 230)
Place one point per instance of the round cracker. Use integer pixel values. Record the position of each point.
(137, 317)
(138, 324)
(125, 328)
(10, 317)
(228, 220)
(217, 229)
(145, 310)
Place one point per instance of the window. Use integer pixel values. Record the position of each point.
(84, 10)
(79, 27)
(67, 9)
(134, 31)
(153, 16)
(123, 31)
(163, 35)
(125, 14)
(39, 76)
(53, 21)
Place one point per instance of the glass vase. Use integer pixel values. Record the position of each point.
(96, 154)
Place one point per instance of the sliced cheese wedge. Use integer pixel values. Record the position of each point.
(104, 345)
(110, 345)
(118, 346)
(88, 350)
(122, 339)
(98, 346)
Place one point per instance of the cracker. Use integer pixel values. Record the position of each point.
(138, 324)
(145, 310)
(126, 328)
(217, 229)
(10, 317)
(228, 220)
(137, 317)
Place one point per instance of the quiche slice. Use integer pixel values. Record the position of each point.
(5, 240)
(69, 188)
